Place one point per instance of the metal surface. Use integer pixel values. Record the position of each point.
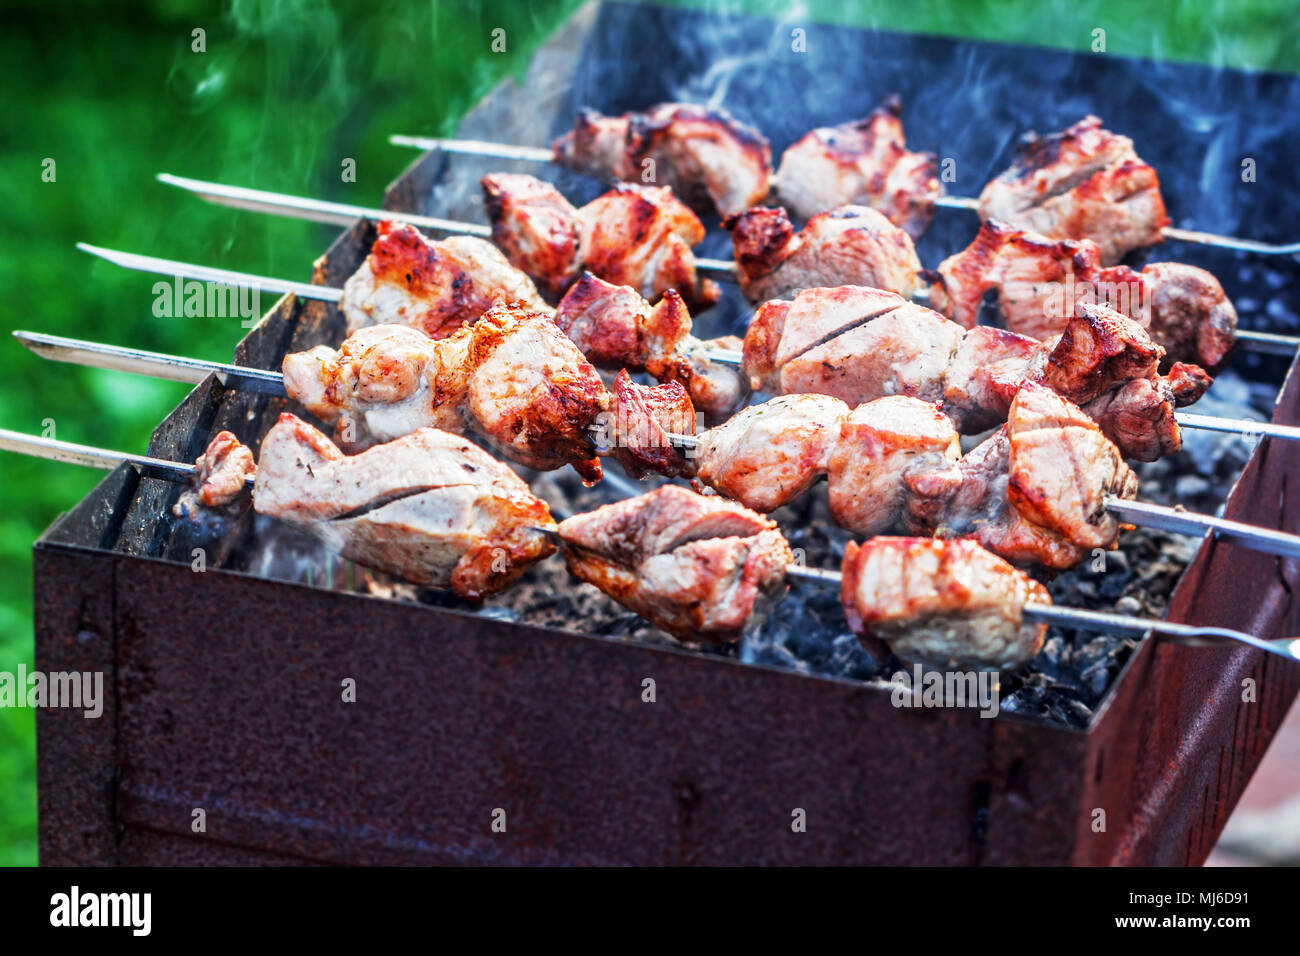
(226, 683)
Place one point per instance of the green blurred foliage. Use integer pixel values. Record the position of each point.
(286, 90)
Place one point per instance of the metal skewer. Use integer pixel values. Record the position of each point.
(317, 210)
(92, 457)
(178, 368)
(475, 147)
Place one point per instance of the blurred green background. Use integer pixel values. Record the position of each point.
(286, 90)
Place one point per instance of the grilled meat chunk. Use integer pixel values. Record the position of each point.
(641, 236)
(1106, 363)
(903, 352)
(850, 245)
(984, 375)
(1191, 315)
(430, 508)
(1039, 282)
(431, 286)
(640, 427)
(220, 477)
(711, 160)
(767, 455)
(513, 376)
(949, 603)
(1028, 271)
(863, 163)
(698, 567)
(879, 444)
(782, 330)
(536, 227)
(532, 393)
(616, 328)
(1083, 183)
(383, 382)
(1033, 492)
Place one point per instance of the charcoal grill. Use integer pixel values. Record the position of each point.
(226, 683)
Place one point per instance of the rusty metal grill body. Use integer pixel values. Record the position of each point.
(226, 684)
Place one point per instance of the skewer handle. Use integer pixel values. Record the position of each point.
(91, 457)
(175, 368)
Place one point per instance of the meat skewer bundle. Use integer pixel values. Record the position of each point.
(1183, 306)
(617, 328)
(431, 509)
(1081, 182)
(1039, 280)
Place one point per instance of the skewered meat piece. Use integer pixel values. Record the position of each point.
(1083, 183)
(430, 508)
(616, 328)
(782, 330)
(950, 603)
(984, 375)
(1033, 492)
(221, 475)
(641, 236)
(850, 245)
(1191, 315)
(698, 567)
(879, 444)
(532, 392)
(711, 160)
(1039, 281)
(513, 376)
(431, 286)
(536, 227)
(861, 344)
(1106, 363)
(639, 427)
(902, 352)
(383, 382)
(767, 455)
(864, 163)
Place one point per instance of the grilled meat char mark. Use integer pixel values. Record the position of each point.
(849, 245)
(434, 287)
(1082, 183)
(949, 603)
(701, 568)
(429, 508)
(1039, 282)
(711, 160)
(865, 163)
(618, 329)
